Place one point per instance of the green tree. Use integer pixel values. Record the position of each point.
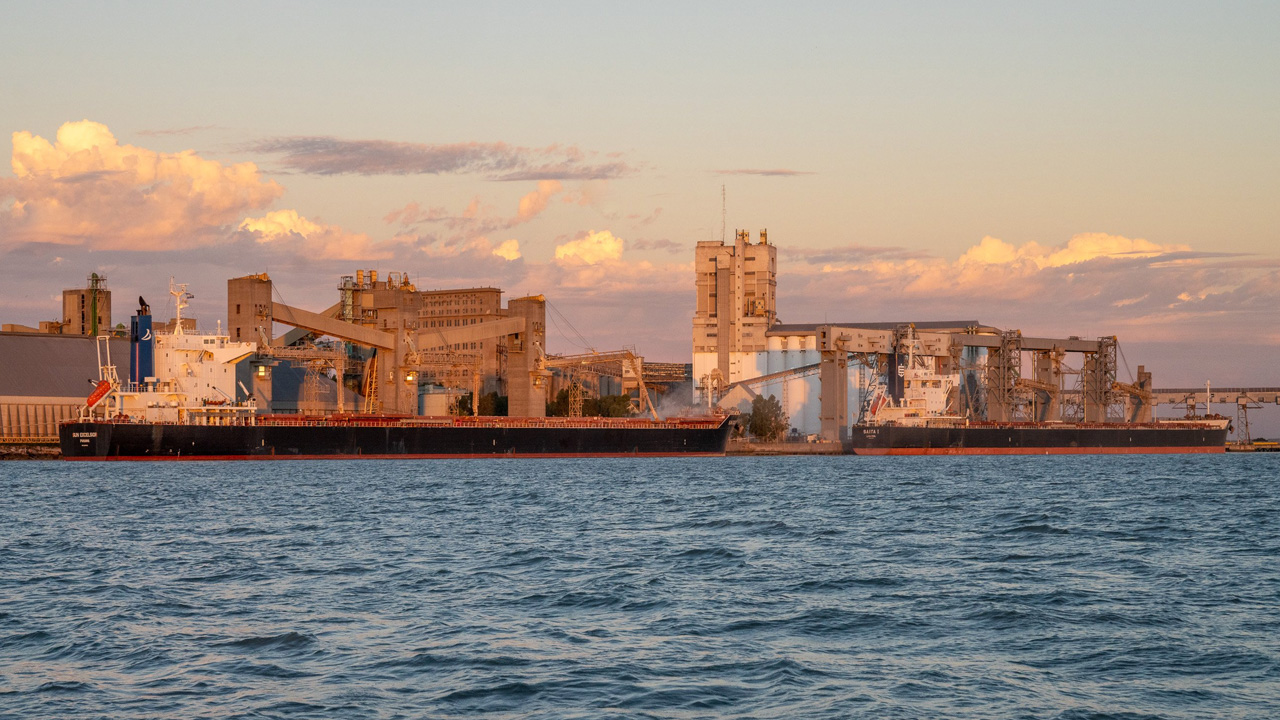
(559, 407)
(493, 404)
(609, 406)
(767, 421)
(461, 405)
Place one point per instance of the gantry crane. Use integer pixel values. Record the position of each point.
(602, 363)
(317, 358)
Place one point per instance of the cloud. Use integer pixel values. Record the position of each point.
(1081, 248)
(495, 160)
(590, 248)
(670, 246)
(88, 189)
(414, 214)
(649, 219)
(1092, 284)
(176, 131)
(588, 194)
(534, 203)
(508, 250)
(318, 240)
(775, 172)
(847, 254)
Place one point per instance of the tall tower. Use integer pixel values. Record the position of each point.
(87, 311)
(737, 304)
(249, 308)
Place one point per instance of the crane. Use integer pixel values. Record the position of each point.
(601, 363)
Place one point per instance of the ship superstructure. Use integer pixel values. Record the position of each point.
(927, 395)
(177, 377)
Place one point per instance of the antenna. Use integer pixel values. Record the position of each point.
(180, 297)
(722, 213)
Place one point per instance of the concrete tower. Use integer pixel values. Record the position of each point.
(737, 304)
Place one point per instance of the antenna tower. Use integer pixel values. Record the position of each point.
(722, 214)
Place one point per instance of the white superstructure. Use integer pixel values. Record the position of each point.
(194, 381)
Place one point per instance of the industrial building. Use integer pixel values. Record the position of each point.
(46, 378)
(87, 310)
(826, 374)
(737, 338)
(452, 337)
(399, 349)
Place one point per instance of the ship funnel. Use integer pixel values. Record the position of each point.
(142, 345)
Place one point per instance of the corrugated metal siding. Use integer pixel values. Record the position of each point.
(44, 379)
(37, 365)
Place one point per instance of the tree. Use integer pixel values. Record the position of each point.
(606, 406)
(461, 405)
(611, 406)
(559, 407)
(767, 421)
(493, 404)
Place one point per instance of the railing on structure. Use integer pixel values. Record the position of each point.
(28, 439)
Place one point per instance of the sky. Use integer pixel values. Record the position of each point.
(1067, 169)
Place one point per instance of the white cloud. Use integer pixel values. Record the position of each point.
(86, 188)
(592, 249)
(534, 203)
(328, 242)
(508, 250)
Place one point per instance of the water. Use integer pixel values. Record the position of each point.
(1095, 587)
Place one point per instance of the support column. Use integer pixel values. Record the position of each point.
(1098, 374)
(1047, 367)
(833, 379)
(726, 324)
(1004, 366)
(400, 395)
(1142, 406)
(527, 382)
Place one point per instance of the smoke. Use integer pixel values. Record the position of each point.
(678, 402)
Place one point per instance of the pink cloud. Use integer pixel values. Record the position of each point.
(534, 203)
(1093, 284)
(774, 172)
(495, 160)
(85, 188)
(287, 229)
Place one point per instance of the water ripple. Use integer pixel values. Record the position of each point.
(1081, 588)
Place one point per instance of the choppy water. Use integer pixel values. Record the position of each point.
(1139, 587)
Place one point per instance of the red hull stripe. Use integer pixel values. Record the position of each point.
(1043, 451)
(458, 456)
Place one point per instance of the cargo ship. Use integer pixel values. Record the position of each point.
(1035, 438)
(919, 422)
(180, 403)
(279, 437)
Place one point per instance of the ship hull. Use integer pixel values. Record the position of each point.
(1035, 440)
(147, 441)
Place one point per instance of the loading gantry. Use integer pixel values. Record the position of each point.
(399, 342)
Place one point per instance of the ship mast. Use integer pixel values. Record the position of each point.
(180, 298)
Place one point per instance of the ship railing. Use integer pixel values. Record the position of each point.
(485, 422)
(1016, 425)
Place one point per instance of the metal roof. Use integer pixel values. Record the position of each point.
(61, 366)
(812, 328)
